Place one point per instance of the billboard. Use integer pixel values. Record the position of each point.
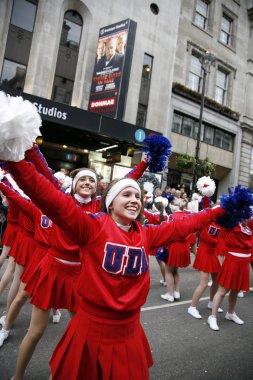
(112, 69)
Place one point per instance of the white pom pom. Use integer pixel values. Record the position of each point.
(162, 200)
(206, 186)
(19, 126)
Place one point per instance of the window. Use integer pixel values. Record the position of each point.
(177, 123)
(188, 126)
(221, 86)
(67, 57)
(201, 13)
(13, 75)
(23, 14)
(226, 30)
(144, 90)
(18, 44)
(209, 134)
(195, 75)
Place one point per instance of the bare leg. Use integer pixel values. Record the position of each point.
(200, 288)
(162, 268)
(176, 279)
(169, 277)
(194, 249)
(217, 300)
(7, 274)
(15, 307)
(38, 324)
(232, 298)
(19, 269)
(214, 286)
(4, 254)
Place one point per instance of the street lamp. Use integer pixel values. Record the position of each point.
(206, 61)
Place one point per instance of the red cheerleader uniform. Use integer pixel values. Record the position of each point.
(105, 338)
(221, 247)
(179, 252)
(206, 259)
(235, 270)
(12, 225)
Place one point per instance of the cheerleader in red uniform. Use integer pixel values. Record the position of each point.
(179, 257)
(10, 231)
(114, 279)
(206, 262)
(53, 283)
(8, 239)
(234, 274)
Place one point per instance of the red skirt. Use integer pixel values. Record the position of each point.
(235, 273)
(25, 250)
(206, 259)
(36, 258)
(54, 285)
(10, 233)
(102, 350)
(179, 255)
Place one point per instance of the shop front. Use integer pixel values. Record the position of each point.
(72, 138)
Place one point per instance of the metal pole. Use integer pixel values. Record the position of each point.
(200, 125)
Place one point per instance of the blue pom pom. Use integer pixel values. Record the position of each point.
(157, 149)
(238, 206)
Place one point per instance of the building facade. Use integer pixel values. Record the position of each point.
(49, 51)
(223, 28)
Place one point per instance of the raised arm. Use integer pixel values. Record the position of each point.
(15, 199)
(61, 209)
(168, 233)
(35, 156)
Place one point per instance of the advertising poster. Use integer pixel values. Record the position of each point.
(112, 69)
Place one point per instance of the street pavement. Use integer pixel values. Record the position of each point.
(183, 348)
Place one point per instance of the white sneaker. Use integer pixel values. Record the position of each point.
(210, 305)
(176, 295)
(240, 294)
(57, 317)
(233, 317)
(167, 297)
(212, 321)
(194, 312)
(2, 320)
(3, 336)
(251, 289)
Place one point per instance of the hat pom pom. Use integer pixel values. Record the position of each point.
(158, 150)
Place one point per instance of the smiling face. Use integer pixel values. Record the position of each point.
(85, 187)
(126, 206)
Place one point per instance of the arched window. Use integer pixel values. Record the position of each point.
(18, 44)
(67, 57)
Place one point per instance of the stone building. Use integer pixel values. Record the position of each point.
(48, 51)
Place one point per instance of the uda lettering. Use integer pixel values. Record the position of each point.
(124, 260)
